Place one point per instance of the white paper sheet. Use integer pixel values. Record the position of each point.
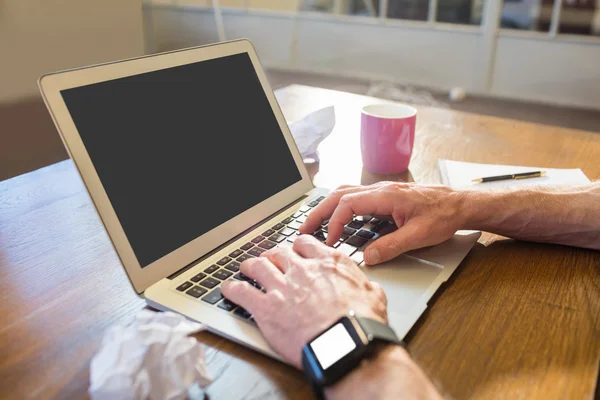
(459, 174)
(151, 358)
(312, 130)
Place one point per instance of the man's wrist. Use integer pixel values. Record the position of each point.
(486, 210)
(390, 372)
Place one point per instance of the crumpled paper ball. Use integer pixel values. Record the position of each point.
(311, 130)
(151, 358)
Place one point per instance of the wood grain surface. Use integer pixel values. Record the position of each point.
(517, 320)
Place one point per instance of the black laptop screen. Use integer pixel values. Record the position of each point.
(180, 151)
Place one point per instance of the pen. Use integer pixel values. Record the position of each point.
(522, 175)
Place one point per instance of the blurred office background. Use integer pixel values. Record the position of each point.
(536, 60)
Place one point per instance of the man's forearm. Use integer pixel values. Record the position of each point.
(562, 215)
(390, 375)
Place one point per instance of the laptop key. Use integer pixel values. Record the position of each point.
(278, 226)
(357, 257)
(213, 297)
(349, 231)
(244, 257)
(297, 214)
(241, 312)
(287, 231)
(377, 228)
(247, 246)
(294, 225)
(236, 253)
(209, 282)
(241, 277)
(184, 286)
(256, 251)
(287, 220)
(222, 274)
(211, 269)
(356, 224)
(196, 291)
(365, 234)
(346, 249)
(223, 260)
(198, 277)
(267, 245)
(313, 203)
(227, 305)
(320, 199)
(302, 219)
(304, 209)
(320, 235)
(258, 239)
(291, 239)
(268, 232)
(277, 238)
(233, 266)
(286, 243)
(356, 241)
(364, 218)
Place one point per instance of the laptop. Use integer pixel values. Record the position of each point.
(192, 168)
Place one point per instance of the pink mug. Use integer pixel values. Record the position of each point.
(387, 135)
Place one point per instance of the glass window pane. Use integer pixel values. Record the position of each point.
(408, 9)
(532, 15)
(467, 12)
(581, 17)
(316, 5)
(364, 8)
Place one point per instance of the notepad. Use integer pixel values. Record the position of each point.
(459, 174)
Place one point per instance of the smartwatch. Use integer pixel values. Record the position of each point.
(339, 349)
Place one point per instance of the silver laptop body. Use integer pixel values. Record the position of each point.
(192, 168)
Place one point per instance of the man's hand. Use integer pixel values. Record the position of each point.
(424, 215)
(428, 215)
(307, 289)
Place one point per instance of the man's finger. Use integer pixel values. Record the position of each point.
(309, 247)
(327, 206)
(282, 257)
(245, 295)
(263, 271)
(408, 237)
(361, 203)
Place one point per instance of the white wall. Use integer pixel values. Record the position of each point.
(548, 71)
(404, 53)
(40, 36)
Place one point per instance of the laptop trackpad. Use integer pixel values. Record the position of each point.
(404, 279)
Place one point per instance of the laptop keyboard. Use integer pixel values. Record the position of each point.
(204, 285)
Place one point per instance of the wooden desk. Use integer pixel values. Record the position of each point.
(517, 320)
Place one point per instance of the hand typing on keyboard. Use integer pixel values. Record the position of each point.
(424, 215)
(306, 289)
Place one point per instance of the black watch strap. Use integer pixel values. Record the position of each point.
(379, 331)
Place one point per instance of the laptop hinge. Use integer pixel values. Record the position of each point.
(210, 253)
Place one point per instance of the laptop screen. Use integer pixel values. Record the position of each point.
(182, 150)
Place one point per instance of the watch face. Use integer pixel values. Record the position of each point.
(332, 345)
(335, 352)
